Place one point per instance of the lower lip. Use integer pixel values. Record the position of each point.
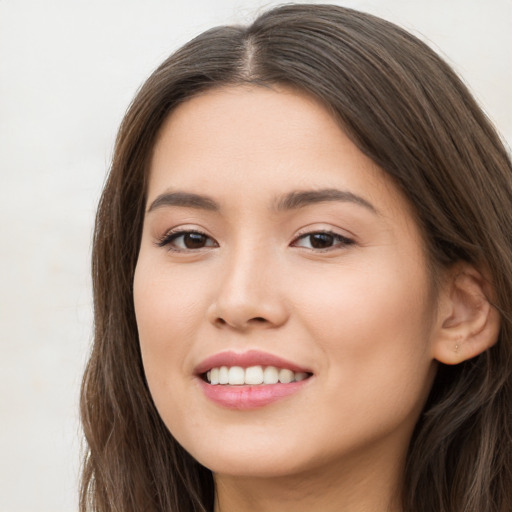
(249, 397)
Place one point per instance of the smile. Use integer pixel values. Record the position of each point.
(250, 380)
(253, 375)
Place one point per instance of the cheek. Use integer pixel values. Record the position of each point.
(165, 298)
(374, 326)
(166, 308)
(167, 312)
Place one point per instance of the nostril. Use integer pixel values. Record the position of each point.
(220, 322)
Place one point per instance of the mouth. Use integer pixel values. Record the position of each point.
(250, 380)
(252, 376)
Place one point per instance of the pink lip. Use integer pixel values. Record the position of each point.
(246, 359)
(249, 397)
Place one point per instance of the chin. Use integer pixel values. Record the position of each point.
(262, 466)
(252, 456)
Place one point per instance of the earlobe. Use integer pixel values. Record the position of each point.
(468, 324)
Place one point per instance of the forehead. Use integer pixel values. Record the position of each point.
(240, 142)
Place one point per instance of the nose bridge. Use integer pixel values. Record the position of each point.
(248, 292)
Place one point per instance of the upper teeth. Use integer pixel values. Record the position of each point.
(236, 375)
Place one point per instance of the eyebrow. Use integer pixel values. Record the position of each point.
(300, 199)
(185, 200)
(290, 201)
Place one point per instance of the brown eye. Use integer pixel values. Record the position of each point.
(322, 240)
(187, 241)
(194, 240)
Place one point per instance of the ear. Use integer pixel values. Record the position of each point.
(467, 322)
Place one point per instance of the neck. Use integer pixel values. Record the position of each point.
(363, 487)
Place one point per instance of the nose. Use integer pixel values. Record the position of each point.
(249, 294)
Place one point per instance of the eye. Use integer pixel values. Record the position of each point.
(186, 241)
(322, 240)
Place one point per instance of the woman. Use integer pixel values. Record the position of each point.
(302, 281)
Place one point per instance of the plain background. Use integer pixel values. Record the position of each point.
(68, 70)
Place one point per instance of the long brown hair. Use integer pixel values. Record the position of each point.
(407, 110)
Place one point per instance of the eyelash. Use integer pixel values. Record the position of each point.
(172, 236)
(338, 240)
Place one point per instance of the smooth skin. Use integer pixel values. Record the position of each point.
(338, 284)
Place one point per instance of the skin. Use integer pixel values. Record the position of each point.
(362, 316)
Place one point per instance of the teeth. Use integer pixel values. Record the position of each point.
(254, 375)
(271, 375)
(223, 375)
(286, 376)
(236, 376)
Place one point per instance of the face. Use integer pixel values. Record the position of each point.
(277, 257)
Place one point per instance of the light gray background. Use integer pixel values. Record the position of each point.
(68, 70)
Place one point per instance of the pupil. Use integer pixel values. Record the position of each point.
(194, 240)
(321, 240)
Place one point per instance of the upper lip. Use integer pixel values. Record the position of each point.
(245, 360)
